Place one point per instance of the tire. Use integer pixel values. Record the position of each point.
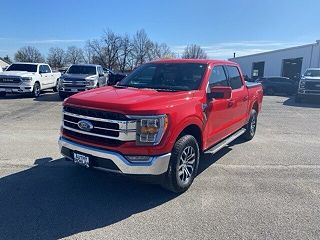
(185, 157)
(251, 126)
(270, 91)
(3, 94)
(62, 95)
(36, 90)
(55, 89)
(298, 99)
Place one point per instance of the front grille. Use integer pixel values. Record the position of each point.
(96, 113)
(91, 139)
(76, 83)
(312, 85)
(4, 80)
(100, 128)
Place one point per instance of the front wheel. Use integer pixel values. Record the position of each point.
(36, 90)
(183, 165)
(55, 88)
(251, 126)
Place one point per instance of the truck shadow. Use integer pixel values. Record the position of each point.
(311, 102)
(55, 199)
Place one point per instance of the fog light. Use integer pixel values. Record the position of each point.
(138, 158)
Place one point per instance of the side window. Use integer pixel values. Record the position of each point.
(41, 69)
(46, 69)
(234, 76)
(218, 77)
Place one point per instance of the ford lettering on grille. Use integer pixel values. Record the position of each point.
(85, 125)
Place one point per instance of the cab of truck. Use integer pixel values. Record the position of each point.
(159, 119)
(309, 84)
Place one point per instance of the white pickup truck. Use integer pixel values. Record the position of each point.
(30, 78)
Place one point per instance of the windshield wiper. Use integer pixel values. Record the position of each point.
(166, 90)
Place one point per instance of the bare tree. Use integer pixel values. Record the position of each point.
(141, 47)
(161, 51)
(194, 51)
(112, 44)
(97, 52)
(125, 54)
(74, 55)
(28, 54)
(7, 59)
(56, 57)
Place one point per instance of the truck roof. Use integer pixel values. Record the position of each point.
(29, 63)
(200, 61)
(85, 64)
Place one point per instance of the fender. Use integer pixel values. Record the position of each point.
(178, 129)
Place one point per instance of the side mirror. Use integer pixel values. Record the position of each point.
(220, 92)
(101, 74)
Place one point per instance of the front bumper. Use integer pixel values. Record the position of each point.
(16, 89)
(306, 92)
(157, 165)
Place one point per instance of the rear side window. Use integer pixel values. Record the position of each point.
(218, 77)
(234, 77)
(46, 69)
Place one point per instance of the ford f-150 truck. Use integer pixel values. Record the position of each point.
(81, 77)
(160, 119)
(309, 84)
(30, 78)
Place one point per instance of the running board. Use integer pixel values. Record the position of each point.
(225, 142)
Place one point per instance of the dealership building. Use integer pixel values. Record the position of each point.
(290, 62)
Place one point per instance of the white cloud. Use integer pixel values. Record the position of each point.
(52, 41)
(225, 50)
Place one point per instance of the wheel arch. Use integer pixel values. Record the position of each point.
(195, 131)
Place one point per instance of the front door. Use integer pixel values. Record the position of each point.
(219, 111)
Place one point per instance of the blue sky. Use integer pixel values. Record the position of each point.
(220, 27)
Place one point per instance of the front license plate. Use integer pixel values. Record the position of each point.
(81, 159)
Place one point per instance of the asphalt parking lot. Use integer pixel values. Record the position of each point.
(268, 188)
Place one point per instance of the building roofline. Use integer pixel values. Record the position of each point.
(277, 50)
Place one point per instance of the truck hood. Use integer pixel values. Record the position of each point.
(129, 100)
(17, 73)
(77, 76)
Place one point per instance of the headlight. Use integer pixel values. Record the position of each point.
(302, 84)
(90, 82)
(26, 79)
(150, 129)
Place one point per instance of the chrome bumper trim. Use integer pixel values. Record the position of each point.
(156, 166)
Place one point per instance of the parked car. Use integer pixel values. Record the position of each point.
(159, 119)
(274, 85)
(81, 77)
(114, 77)
(30, 78)
(309, 84)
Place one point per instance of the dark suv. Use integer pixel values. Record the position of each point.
(273, 85)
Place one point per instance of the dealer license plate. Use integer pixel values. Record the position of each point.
(81, 159)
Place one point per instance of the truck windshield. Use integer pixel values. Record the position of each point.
(313, 73)
(166, 76)
(23, 67)
(78, 69)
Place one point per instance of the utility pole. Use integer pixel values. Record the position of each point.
(234, 55)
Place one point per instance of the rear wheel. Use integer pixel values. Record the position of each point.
(251, 126)
(298, 99)
(62, 95)
(183, 165)
(55, 88)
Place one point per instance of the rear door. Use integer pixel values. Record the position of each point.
(101, 76)
(239, 100)
(219, 114)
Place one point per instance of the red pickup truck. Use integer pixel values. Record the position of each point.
(160, 119)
